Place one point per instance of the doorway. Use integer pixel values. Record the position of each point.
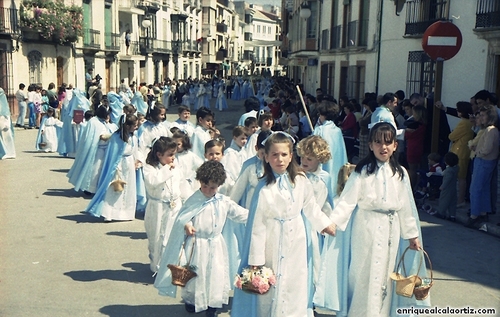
(60, 71)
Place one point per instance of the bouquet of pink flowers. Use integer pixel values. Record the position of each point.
(255, 279)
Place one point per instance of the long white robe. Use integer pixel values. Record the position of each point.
(278, 241)
(102, 145)
(233, 160)
(121, 205)
(7, 147)
(200, 137)
(212, 285)
(149, 132)
(188, 162)
(49, 134)
(384, 216)
(166, 190)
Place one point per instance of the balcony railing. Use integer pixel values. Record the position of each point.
(8, 21)
(335, 37)
(91, 38)
(357, 33)
(487, 14)
(112, 41)
(162, 46)
(146, 45)
(420, 14)
(221, 28)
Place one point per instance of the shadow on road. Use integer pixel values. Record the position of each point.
(139, 273)
(81, 218)
(63, 193)
(128, 234)
(61, 170)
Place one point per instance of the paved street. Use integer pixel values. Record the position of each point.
(56, 261)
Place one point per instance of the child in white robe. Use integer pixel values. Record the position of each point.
(186, 160)
(202, 217)
(214, 152)
(380, 190)
(153, 128)
(47, 138)
(265, 122)
(276, 236)
(166, 189)
(120, 163)
(183, 122)
(233, 159)
(201, 134)
(314, 151)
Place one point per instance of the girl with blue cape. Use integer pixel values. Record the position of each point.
(384, 224)
(7, 148)
(221, 102)
(276, 235)
(115, 198)
(116, 106)
(236, 90)
(202, 218)
(70, 129)
(138, 102)
(86, 169)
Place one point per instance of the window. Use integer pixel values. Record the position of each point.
(35, 66)
(313, 20)
(356, 81)
(420, 14)
(258, 28)
(420, 73)
(269, 30)
(487, 13)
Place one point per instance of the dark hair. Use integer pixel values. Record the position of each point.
(183, 108)
(435, 157)
(179, 134)
(238, 130)
(389, 96)
(21, 86)
(88, 114)
(264, 116)
(261, 137)
(385, 132)
(124, 128)
(252, 103)
(292, 168)
(215, 142)
(154, 112)
(51, 112)
(451, 159)
(327, 109)
(311, 97)
(372, 104)
(400, 94)
(211, 171)
(102, 112)
(203, 112)
(127, 109)
(51, 86)
(483, 95)
(249, 121)
(161, 145)
(464, 108)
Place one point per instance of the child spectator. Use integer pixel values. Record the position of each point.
(210, 289)
(429, 181)
(448, 197)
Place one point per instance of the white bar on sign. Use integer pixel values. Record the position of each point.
(442, 41)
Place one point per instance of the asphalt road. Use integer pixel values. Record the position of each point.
(56, 261)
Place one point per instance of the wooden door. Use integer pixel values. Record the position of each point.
(108, 76)
(60, 71)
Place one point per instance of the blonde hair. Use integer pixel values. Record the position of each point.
(314, 146)
(344, 173)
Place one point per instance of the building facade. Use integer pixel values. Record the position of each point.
(348, 47)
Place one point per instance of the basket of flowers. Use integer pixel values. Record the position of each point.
(181, 274)
(255, 279)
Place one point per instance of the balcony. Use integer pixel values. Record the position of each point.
(112, 42)
(223, 2)
(161, 46)
(420, 14)
(151, 6)
(221, 28)
(8, 21)
(146, 45)
(91, 39)
(357, 33)
(487, 14)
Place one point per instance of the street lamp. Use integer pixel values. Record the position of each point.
(146, 22)
(305, 11)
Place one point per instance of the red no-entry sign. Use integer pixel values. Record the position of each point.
(442, 40)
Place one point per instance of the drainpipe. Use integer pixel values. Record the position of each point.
(379, 44)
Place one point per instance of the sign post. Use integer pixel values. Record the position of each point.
(441, 41)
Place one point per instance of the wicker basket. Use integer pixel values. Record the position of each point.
(405, 284)
(421, 292)
(248, 287)
(182, 274)
(42, 145)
